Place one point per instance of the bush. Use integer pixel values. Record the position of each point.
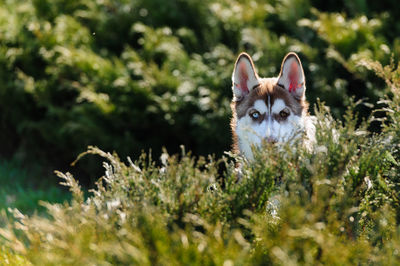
(338, 204)
(146, 74)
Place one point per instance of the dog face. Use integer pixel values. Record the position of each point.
(267, 109)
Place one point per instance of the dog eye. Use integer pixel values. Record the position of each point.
(284, 113)
(255, 115)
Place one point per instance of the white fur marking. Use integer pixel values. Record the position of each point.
(260, 106)
(278, 106)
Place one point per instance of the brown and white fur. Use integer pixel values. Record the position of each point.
(269, 109)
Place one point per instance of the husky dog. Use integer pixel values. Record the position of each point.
(269, 109)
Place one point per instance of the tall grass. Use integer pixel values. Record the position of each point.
(337, 204)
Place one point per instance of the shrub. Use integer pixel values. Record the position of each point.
(338, 204)
(146, 74)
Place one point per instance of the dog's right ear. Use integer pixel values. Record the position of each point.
(244, 77)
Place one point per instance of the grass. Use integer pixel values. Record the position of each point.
(21, 190)
(338, 204)
(7, 257)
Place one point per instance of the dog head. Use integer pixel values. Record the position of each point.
(267, 109)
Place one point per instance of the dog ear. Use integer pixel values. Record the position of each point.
(292, 76)
(244, 77)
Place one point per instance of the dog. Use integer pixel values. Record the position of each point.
(272, 110)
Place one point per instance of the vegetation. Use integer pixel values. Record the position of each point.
(23, 189)
(337, 204)
(130, 75)
(149, 74)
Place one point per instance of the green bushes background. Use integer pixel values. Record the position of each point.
(134, 75)
(143, 74)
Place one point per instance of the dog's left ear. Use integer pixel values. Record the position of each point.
(292, 76)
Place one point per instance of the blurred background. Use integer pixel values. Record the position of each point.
(133, 75)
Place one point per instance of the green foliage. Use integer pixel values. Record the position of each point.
(337, 204)
(9, 258)
(24, 189)
(129, 75)
(148, 74)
